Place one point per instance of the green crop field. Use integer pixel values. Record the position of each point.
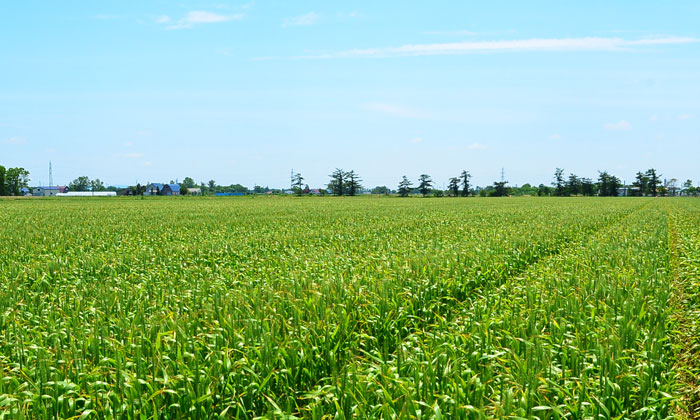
(340, 308)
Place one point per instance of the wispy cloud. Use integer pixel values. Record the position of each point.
(417, 140)
(533, 44)
(398, 111)
(131, 155)
(654, 118)
(15, 140)
(621, 125)
(307, 19)
(197, 17)
(684, 117)
(555, 137)
(476, 146)
(352, 14)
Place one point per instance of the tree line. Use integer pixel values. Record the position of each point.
(348, 183)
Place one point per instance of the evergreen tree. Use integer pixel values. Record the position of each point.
(337, 182)
(465, 183)
(425, 183)
(352, 183)
(404, 187)
(454, 186)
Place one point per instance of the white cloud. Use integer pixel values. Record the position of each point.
(621, 125)
(684, 117)
(555, 136)
(128, 143)
(417, 140)
(353, 14)
(533, 44)
(654, 118)
(147, 163)
(197, 17)
(131, 155)
(307, 19)
(15, 140)
(398, 111)
(476, 146)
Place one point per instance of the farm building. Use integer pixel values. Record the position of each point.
(153, 188)
(170, 189)
(49, 191)
(194, 191)
(157, 188)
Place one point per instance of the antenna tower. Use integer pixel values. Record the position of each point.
(503, 174)
(50, 175)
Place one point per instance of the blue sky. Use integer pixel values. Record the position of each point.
(242, 92)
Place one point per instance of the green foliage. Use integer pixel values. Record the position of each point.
(368, 308)
(12, 180)
(425, 184)
(82, 183)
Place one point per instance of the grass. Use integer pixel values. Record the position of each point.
(327, 308)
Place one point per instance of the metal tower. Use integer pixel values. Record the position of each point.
(50, 175)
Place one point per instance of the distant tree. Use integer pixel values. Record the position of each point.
(499, 189)
(654, 181)
(454, 186)
(139, 190)
(587, 187)
(212, 185)
(687, 187)
(97, 185)
(404, 187)
(465, 176)
(543, 190)
(558, 184)
(15, 179)
(352, 183)
(337, 184)
(640, 185)
(184, 190)
(188, 183)
(297, 182)
(425, 183)
(573, 185)
(237, 188)
(380, 190)
(3, 187)
(672, 187)
(608, 185)
(82, 183)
